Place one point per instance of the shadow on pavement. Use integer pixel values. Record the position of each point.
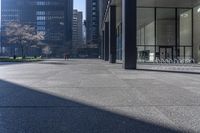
(54, 63)
(9, 63)
(24, 110)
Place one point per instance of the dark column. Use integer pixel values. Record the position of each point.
(129, 33)
(106, 42)
(102, 45)
(112, 34)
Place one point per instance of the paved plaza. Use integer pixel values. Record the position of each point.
(93, 96)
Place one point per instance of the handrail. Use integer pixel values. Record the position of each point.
(169, 61)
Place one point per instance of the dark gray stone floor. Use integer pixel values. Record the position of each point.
(92, 96)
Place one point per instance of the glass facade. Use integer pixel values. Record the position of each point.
(164, 34)
(165, 31)
(92, 25)
(119, 42)
(185, 33)
(196, 33)
(119, 29)
(146, 34)
(51, 18)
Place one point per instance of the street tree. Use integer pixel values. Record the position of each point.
(22, 35)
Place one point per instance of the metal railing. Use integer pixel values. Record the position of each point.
(169, 61)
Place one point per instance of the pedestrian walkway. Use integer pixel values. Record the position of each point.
(93, 96)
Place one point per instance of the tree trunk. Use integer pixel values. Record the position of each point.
(10, 51)
(1, 50)
(22, 48)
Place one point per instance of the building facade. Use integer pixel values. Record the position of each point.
(77, 32)
(50, 17)
(92, 22)
(150, 31)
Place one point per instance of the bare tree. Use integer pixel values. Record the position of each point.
(22, 35)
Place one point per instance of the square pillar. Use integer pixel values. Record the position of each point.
(112, 34)
(129, 32)
(102, 46)
(106, 42)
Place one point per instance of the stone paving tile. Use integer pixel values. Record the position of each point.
(183, 116)
(93, 96)
(79, 120)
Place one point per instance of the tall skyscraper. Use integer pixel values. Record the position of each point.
(92, 28)
(92, 22)
(102, 10)
(50, 17)
(77, 31)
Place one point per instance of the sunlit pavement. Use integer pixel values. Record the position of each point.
(92, 96)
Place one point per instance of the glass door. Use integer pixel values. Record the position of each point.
(166, 53)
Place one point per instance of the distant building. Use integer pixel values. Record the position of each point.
(84, 34)
(92, 25)
(77, 31)
(102, 11)
(50, 17)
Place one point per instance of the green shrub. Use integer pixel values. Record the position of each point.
(19, 59)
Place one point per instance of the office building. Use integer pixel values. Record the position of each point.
(50, 17)
(92, 25)
(77, 32)
(150, 31)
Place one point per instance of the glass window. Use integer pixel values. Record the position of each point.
(166, 27)
(185, 27)
(146, 34)
(119, 42)
(188, 52)
(146, 26)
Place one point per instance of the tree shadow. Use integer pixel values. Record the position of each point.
(9, 63)
(54, 63)
(24, 110)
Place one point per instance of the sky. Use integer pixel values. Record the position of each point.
(80, 5)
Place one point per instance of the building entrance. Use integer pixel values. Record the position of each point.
(164, 33)
(166, 52)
